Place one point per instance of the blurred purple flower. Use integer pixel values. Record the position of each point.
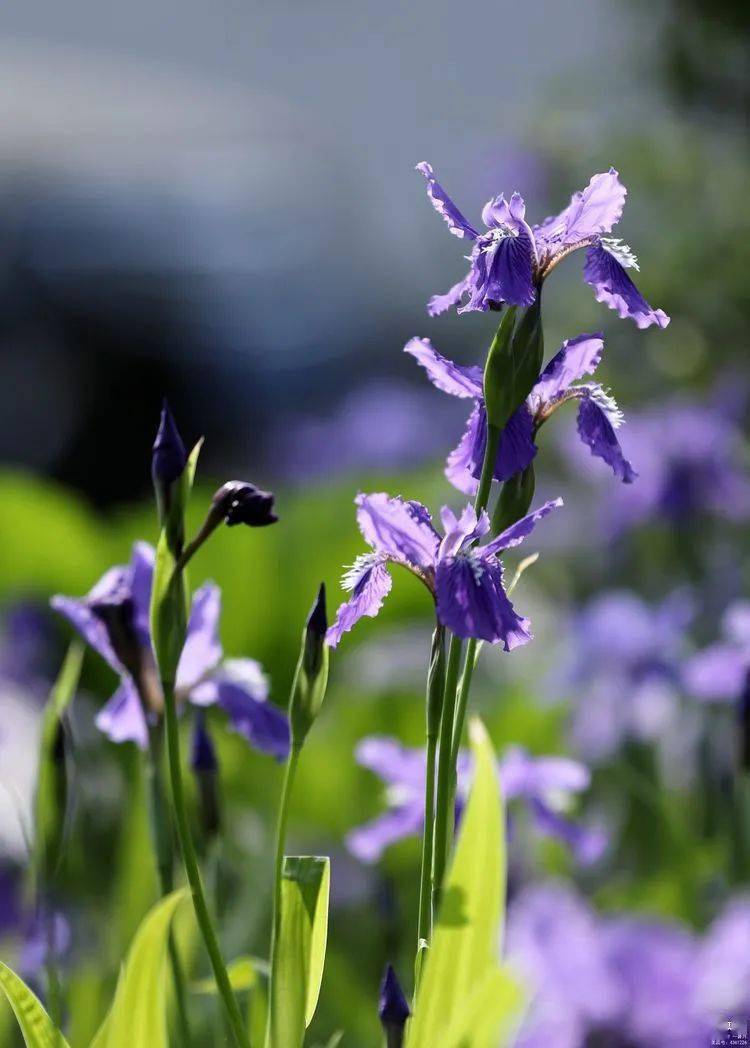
(509, 262)
(724, 962)
(239, 686)
(720, 672)
(689, 465)
(598, 414)
(603, 981)
(466, 582)
(45, 936)
(26, 645)
(545, 784)
(622, 671)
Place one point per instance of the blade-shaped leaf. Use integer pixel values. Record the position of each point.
(243, 974)
(139, 1011)
(490, 1016)
(36, 1026)
(463, 954)
(300, 948)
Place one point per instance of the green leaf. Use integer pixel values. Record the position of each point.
(50, 806)
(490, 1016)
(300, 948)
(243, 974)
(462, 960)
(139, 1011)
(36, 1026)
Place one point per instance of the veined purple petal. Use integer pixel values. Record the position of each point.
(516, 533)
(461, 531)
(516, 449)
(472, 602)
(367, 843)
(613, 286)
(451, 378)
(509, 273)
(142, 573)
(718, 673)
(123, 719)
(461, 464)
(594, 210)
(202, 651)
(575, 358)
(596, 430)
(398, 528)
(444, 206)
(440, 303)
(370, 583)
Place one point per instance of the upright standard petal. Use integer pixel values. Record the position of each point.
(613, 286)
(461, 531)
(440, 303)
(516, 533)
(451, 378)
(444, 206)
(596, 209)
(202, 651)
(471, 600)
(596, 430)
(575, 358)
(123, 719)
(370, 583)
(401, 529)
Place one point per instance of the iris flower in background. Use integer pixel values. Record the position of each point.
(545, 784)
(598, 414)
(690, 465)
(623, 671)
(509, 262)
(466, 581)
(605, 980)
(114, 619)
(721, 672)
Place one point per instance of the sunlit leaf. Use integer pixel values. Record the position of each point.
(139, 1011)
(462, 960)
(300, 948)
(243, 974)
(490, 1016)
(36, 1026)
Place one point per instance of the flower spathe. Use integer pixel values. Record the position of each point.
(598, 414)
(509, 261)
(544, 784)
(465, 580)
(204, 678)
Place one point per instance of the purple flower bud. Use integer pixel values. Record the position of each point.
(316, 628)
(239, 502)
(169, 456)
(393, 1008)
(203, 754)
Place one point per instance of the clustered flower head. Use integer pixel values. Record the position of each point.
(546, 785)
(114, 619)
(465, 580)
(510, 261)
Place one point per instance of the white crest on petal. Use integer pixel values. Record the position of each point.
(620, 251)
(605, 401)
(365, 562)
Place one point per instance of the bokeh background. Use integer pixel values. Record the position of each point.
(217, 202)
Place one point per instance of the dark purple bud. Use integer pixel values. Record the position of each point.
(315, 632)
(169, 456)
(393, 1009)
(203, 754)
(241, 503)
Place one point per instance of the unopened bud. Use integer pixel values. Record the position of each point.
(238, 502)
(499, 393)
(514, 499)
(311, 677)
(393, 1009)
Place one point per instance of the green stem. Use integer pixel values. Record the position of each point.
(464, 688)
(286, 792)
(192, 870)
(54, 991)
(433, 705)
(445, 773)
(161, 833)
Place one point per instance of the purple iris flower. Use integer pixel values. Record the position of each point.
(690, 465)
(204, 678)
(617, 981)
(465, 581)
(720, 672)
(509, 262)
(598, 414)
(622, 670)
(545, 784)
